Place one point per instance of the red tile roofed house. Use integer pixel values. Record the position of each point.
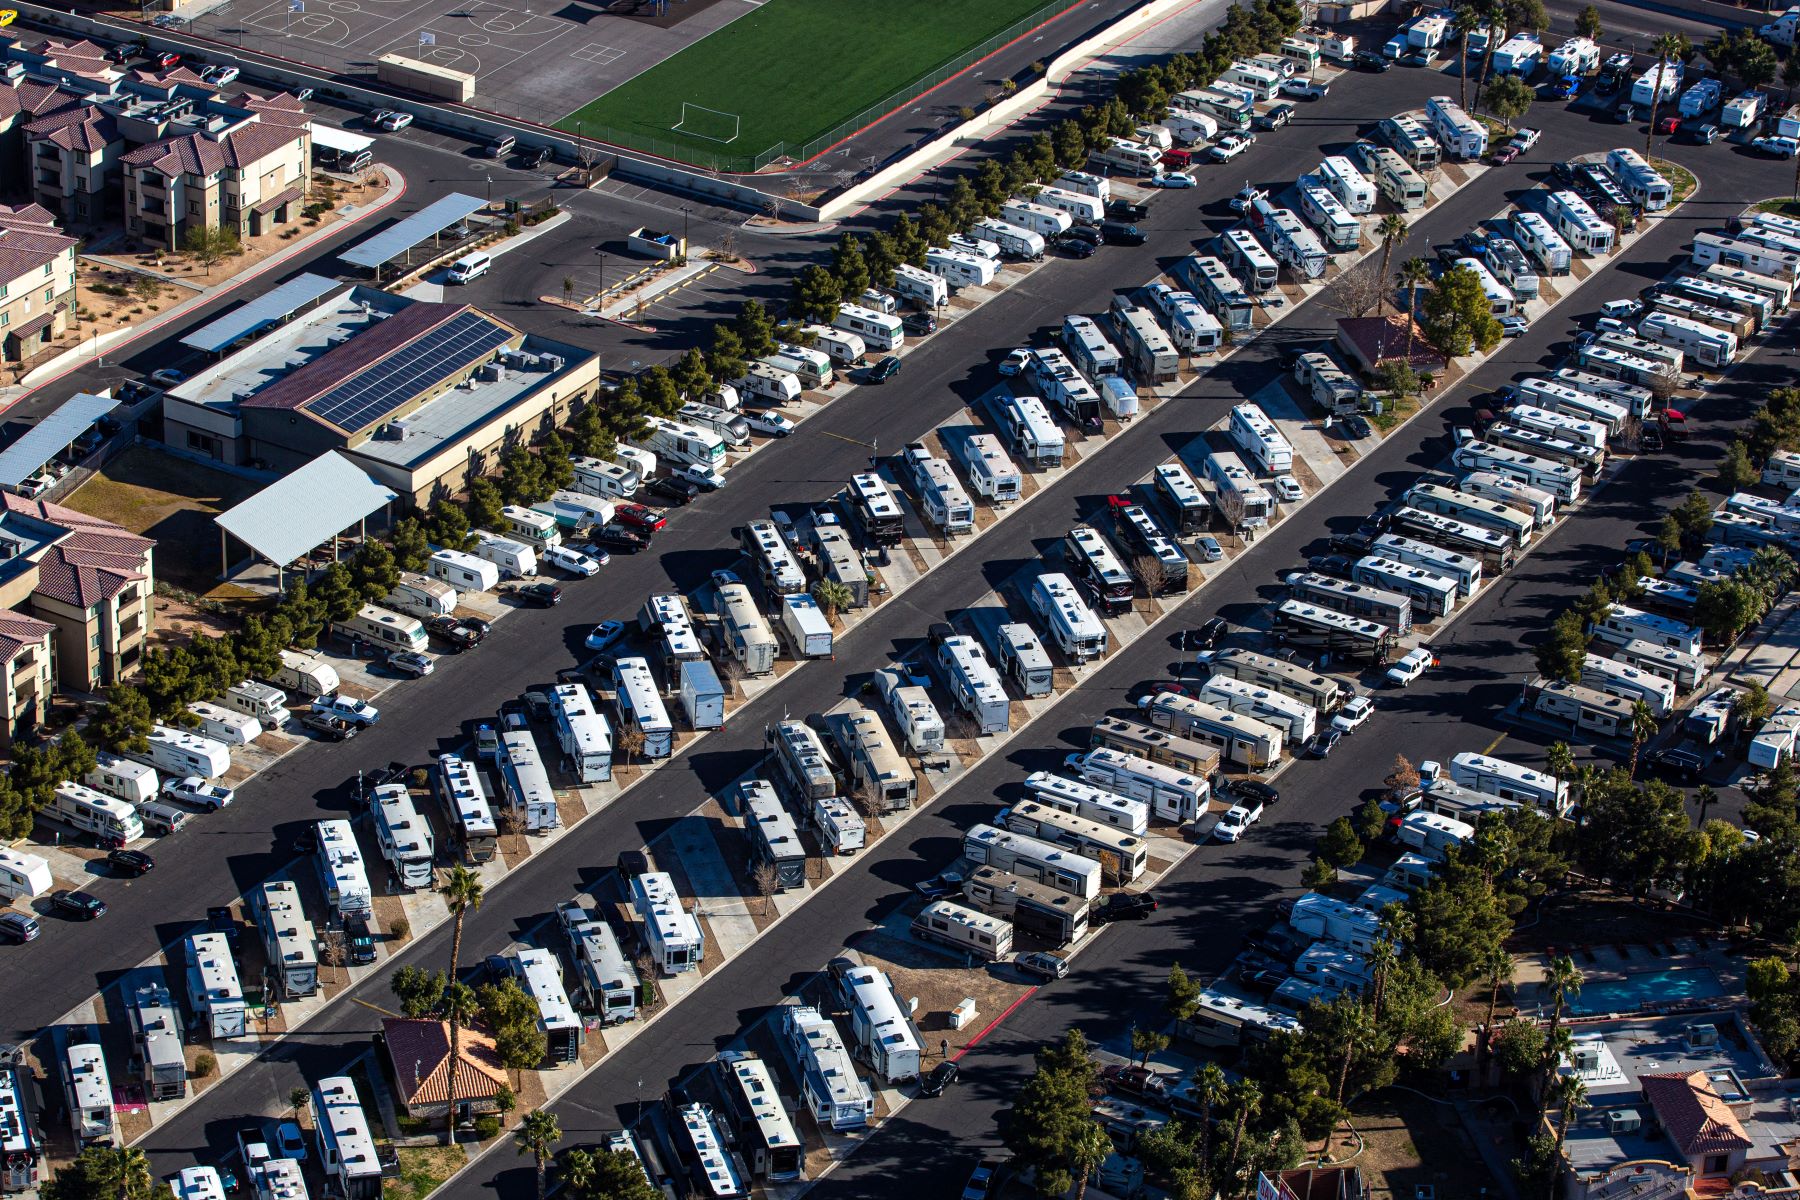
(1371, 341)
(89, 579)
(37, 280)
(1697, 1122)
(419, 1050)
(247, 173)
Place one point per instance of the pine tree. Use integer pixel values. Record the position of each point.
(373, 571)
(725, 361)
(849, 266)
(123, 724)
(484, 504)
(691, 377)
(411, 547)
(755, 329)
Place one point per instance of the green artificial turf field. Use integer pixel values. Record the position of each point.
(792, 71)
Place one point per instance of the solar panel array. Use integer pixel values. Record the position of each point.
(382, 387)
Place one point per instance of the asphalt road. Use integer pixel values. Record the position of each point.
(740, 991)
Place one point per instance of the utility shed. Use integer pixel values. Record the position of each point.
(307, 508)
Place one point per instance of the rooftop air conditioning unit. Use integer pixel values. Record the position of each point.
(1586, 1058)
(1699, 1036)
(1624, 1120)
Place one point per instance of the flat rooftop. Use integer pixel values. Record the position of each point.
(284, 351)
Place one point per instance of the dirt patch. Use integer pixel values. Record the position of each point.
(1408, 1142)
(941, 979)
(196, 1082)
(423, 1169)
(391, 919)
(571, 809)
(1594, 918)
(171, 500)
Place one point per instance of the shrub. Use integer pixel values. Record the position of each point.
(204, 1065)
(965, 113)
(487, 1128)
(401, 930)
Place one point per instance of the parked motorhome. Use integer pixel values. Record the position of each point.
(1352, 599)
(1191, 327)
(1252, 261)
(403, 837)
(885, 776)
(1024, 660)
(1456, 130)
(1396, 179)
(1035, 438)
(914, 715)
(942, 500)
(965, 930)
(1498, 777)
(1183, 498)
(1242, 501)
(1092, 802)
(581, 731)
(1633, 683)
(1535, 503)
(287, 937)
(1134, 158)
(1123, 856)
(1240, 739)
(1070, 623)
(524, 783)
(1412, 140)
(378, 626)
(955, 269)
(1494, 549)
(223, 725)
(1339, 634)
(133, 782)
(1473, 510)
(1710, 347)
(1542, 242)
(1029, 857)
(1256, 435)
(732, 429)
(1432, 595)
(675, 940)
(465, 800)
(1625, 624)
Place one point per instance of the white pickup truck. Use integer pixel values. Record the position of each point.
(1237, 821)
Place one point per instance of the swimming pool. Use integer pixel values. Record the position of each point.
(1646, 988)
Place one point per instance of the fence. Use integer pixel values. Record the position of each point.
(729, 163)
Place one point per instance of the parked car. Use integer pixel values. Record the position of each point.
(500, 145)
(1650, 438)
(359, 941)
(130, 863)
(290, 1142)
(168, 377)
(918, 324)
(1370, 60)
(1324, 742)
(767, 422)
(1172, 179)
(1625, 114)
(883, 370)
(1042, 965)
(940, 1079)
(1351, 716)
(539, 595)
(981, 1180)
(1014, 363)
(706, 478)
(332, 729)
(394, 122)
(1121, 233)
(410, 662)
(221, 75)
(616, 537)
(1288, 489)
(1086, 233)
(165, 60)
(1668, 125)
(1127, 210)
(1230, 146)
(1702, 133)
(1420, 57)
(83, 906)
(1526, 139)
(357, 712)
(1125, 906)
(195, 790)
(1410, 667)
(565, 558)
(1684, 765)
(17, 928)
(538, 157)
(1075, 247)
(1512, 327)
(603, 635)
(460, 632)
(671, 491)
(1504, 154)
(1276, 117)
(1252, 791)
(1356, 427)
(1206, 635)
(636, 516)
(1207, 547)
(1620, 310)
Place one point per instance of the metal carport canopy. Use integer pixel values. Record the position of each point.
(433, 219)
(39, 444)
(306, 508)
(271, 308)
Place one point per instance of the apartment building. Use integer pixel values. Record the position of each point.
(25, 671)
(87, 579)
(246, 167)
(37, 280)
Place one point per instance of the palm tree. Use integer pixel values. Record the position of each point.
(1643, 728)
(126, 1172)
(1493, 15)
(1705, 797)
(1463, 22)
(1415, 273)
(1249, 1105)
(1564, 982)
(1499, 968)
(578, 1171)
(1571, 1096)
(463, 891)
(1391, 231)
(537, 1136)
(1212, 1089)
(1087, 1151)
(1560, 760)
(1665, 47)
(833, 596)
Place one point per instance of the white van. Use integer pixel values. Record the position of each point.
(470, 267)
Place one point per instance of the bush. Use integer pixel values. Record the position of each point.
(965, 113)
(204, 1065)
(487, 1128)
(401, 931)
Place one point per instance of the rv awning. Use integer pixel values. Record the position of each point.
(307, 508)
(39, 444)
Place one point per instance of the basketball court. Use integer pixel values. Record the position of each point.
(537, 61)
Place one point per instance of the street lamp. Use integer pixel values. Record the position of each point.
(490, 189)
(686, 213)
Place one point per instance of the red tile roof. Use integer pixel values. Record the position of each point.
(79, 127)
(1378, 339)
(1693, 1115)
(197, 154)
(93, 562)
(420, 1053)
(18, 631)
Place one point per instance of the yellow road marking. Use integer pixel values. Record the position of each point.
(1493, 745)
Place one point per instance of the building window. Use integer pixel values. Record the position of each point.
(5, 319)
(47, 267)
(1716, 1164)
(49, 294)
(94, 642)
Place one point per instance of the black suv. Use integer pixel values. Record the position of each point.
(674, 491)
(1121, 233)
(1371, 60)
(359, 942)
(1126, 210)
(1126, 906)
(1084, 233)
(543, 595)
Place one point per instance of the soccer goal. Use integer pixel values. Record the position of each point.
(712, 124)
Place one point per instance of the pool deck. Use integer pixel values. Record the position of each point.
(1614, 963)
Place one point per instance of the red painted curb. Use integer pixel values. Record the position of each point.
(989, 1027)
(263, 268)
